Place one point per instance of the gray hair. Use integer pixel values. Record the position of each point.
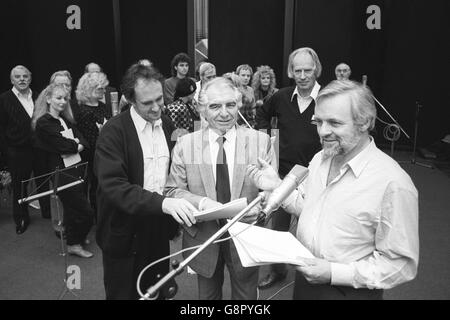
(314, 56)
(218, 82)
(17, 68)
(88, 83)
(362, 102)
(61, 73)
(204, 67)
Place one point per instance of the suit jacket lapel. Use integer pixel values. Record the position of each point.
(203, 158)
(21, 106)
(239, 163)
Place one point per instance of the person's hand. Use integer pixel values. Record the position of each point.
(180, 209)
(316, 271)
(80, 148)
(253, 214)
(209, 204)
(265, 177)
(259, 103)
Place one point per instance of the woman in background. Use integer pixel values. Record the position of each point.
(264, 84)
(90, 118)
(56, 135)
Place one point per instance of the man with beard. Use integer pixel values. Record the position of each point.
(358, 209)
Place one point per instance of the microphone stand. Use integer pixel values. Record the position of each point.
(153, 291)
(59, 213)
(397, 125)
(416, 130)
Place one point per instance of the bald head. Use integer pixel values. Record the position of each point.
(92, 67)
(343, 71)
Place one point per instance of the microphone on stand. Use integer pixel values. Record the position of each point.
(288, 185)
(114, 103)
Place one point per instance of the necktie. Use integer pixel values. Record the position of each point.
(222, 180)
(222, 177)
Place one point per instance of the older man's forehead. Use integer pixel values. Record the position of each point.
(20, 71)
(221, 93)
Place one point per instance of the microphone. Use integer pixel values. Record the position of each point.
(364, 80)
(290, 182)
(114, 103)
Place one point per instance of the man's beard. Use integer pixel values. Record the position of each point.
(330, 152)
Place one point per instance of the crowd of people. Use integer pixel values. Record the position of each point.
(182, 145)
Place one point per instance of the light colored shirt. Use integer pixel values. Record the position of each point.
(155, 152)
(197, 91)
(365, 222)
(25, 100)
(229, 146)
(303, 102)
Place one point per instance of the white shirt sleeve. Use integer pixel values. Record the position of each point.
(396, 257)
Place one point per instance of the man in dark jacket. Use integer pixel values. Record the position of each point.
(136, 221)
(293, 107)
(16, 110)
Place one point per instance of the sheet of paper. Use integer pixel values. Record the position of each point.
(259, 246)
(70, 159)
(225, 211)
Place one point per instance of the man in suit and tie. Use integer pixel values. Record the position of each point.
(16, 110)
(208, 168)
(293, 107)
(135, 220)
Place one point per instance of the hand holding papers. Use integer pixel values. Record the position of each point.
(259, 246)
(225, 211)
(70, 159)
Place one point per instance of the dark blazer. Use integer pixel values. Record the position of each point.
(15, 123)
(125, 209)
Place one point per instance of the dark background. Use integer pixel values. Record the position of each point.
(407, 61)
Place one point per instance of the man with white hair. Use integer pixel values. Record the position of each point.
(16, 110)
(208, 168)
(358, 209)
(293, 108)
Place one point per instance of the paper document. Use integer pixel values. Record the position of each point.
(259, 246)
(225, 211)
(70, 159)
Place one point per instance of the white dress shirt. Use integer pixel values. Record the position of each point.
(303, 102)
(155, 152)
(365, 222)
(25, 100)
(229, 147)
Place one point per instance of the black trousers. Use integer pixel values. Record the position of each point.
(303, 290)
(78, 215)
(281, 221)
(22, 162)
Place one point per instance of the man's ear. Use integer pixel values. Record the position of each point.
(365, 126)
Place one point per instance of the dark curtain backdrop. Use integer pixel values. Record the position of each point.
(34, 34)
(154, 30)
(249, 31)
(406, 61)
